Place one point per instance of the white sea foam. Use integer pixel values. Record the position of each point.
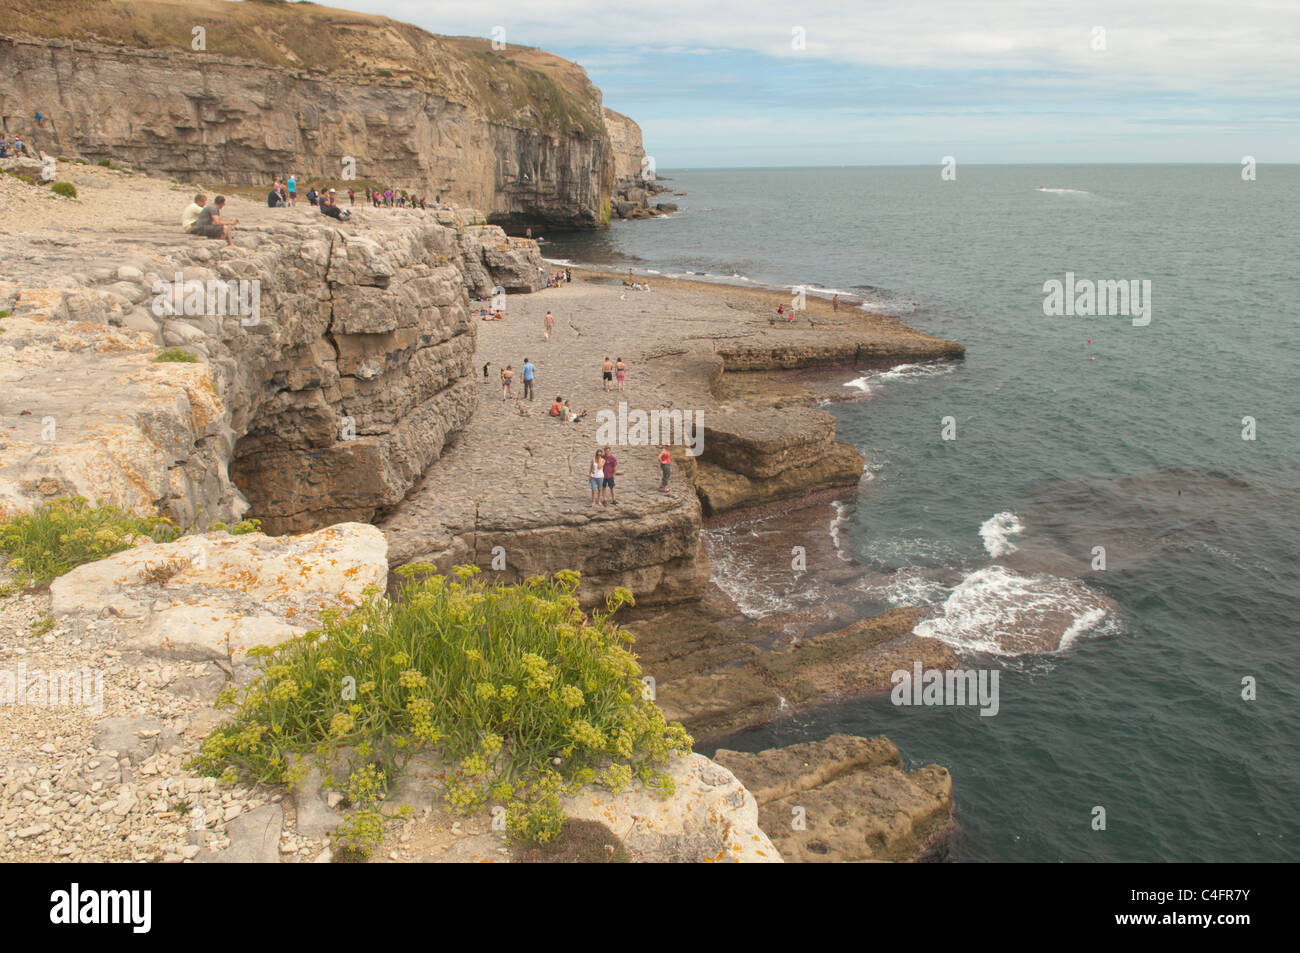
(911, 586)
(868, 382)
(998, 612)
(1086, 622)
(997, 532)
(838, 522)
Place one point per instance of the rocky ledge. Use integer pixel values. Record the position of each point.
(847, 799)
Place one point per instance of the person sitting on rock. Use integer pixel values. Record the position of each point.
(568, 415)
(273, 198)
(192, 212)
(329, 207)
(210, 224)
(557, 408)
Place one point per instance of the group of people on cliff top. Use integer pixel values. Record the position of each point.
(285, 194)
(604, 467)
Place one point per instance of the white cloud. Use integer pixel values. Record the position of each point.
(1187, 45)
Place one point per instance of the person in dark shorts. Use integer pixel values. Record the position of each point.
(607, 372)
(665, 467)
(210, 224)
(611, 467)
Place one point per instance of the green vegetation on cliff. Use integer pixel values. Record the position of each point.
(517, 691)
(65, 533)
(68, 532)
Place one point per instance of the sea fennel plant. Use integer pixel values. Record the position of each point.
(522, 695)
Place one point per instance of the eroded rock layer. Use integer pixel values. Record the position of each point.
(326, 367)
(274, 89)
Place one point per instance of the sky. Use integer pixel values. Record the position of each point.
(879, 82)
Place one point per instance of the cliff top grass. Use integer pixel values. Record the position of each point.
(70, 531)
(512, 84)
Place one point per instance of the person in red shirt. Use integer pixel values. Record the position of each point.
(665, 467)
(611, 467)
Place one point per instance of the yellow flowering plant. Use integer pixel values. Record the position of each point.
(523, 695)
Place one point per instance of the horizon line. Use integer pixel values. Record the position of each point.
(930, 165)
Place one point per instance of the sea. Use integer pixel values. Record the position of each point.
(1102, 508)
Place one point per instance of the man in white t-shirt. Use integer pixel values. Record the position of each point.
(192, 212)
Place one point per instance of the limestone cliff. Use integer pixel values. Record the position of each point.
(625, 141)
(298, 88)
(634, 174)
(325, 404)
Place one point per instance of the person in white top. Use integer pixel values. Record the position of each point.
(597, 476)
(192, 212)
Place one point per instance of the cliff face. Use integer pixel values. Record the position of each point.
(326, 404)
(302, 89)
(634, 179)
(628, 150)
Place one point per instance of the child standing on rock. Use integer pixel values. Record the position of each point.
(665, 467)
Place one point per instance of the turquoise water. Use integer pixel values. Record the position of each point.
(1118, 688)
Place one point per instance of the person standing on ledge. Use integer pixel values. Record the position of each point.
(293, 189)
(529, 372)
(597, 474)
(610, 468)
(665, 467)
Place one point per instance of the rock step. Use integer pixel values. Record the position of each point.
(846, 798)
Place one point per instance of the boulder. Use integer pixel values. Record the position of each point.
(846, 799)
(710, 817)
(216, 595)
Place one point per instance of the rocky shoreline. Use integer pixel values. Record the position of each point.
(357, 397)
